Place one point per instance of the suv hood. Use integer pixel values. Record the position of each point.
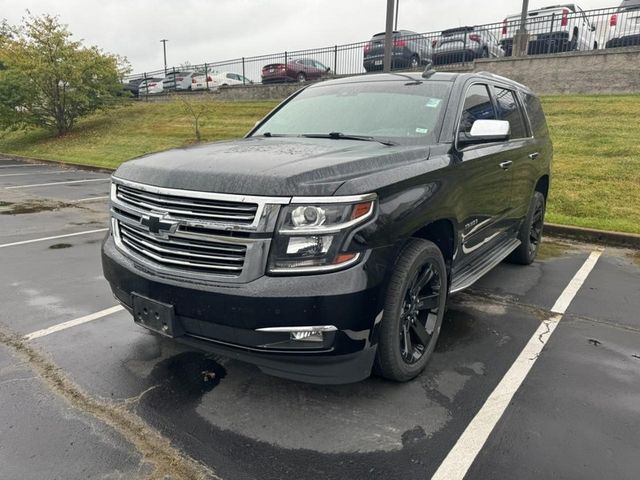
(269, 166)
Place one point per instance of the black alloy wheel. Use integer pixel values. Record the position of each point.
(415, 62)
(413, 311)
(419, 313)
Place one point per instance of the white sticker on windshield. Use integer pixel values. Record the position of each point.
(422, 130)
(433, 103)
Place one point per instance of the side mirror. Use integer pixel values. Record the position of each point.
(486, 131)
(593, 28)
(328, 70)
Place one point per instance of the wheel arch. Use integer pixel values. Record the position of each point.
(542, 186)
(441, 232)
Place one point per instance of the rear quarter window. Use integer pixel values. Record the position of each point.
(536, 115)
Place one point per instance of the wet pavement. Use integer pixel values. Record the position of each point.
(575, 416)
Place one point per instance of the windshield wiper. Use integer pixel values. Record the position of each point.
(344, 136)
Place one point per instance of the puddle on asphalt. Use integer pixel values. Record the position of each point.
(553, 249)
(9, 208)
(59, 246)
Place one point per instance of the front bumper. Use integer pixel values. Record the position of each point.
(224, 318)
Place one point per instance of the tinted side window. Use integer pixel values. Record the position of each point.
(536, 116)
(510, 111)
(477, 106)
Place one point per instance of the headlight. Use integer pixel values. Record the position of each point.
(311, 233)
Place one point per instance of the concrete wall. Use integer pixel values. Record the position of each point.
(595, 72)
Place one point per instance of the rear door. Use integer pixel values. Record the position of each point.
(534, 160)
(484, 186)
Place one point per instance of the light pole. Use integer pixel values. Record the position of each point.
(388, 37)
(164, 51)
(521, 38)
(397, 8)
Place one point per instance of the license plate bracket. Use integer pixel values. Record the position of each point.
(156, 316)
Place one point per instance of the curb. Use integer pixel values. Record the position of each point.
(78, 166)
(590, 235)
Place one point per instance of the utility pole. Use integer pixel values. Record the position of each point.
(396, 22)
(521, 38)
(388, 37)
(164, 51)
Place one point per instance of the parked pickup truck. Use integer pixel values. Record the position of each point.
(325, 243)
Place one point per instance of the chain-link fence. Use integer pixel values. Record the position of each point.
(550, 30)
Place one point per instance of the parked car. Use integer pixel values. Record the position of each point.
(330, 237)
(298, 70)
(179, 80)
(559, 28)
(463, 44)
(133, 86)
(151, 86)
(410, 50)
(624, 25)
(218, 79)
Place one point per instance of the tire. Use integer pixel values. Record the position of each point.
(407, 317)
(302, 77)
(414, 63)
(530, 234)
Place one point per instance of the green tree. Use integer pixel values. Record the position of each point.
(49, 80)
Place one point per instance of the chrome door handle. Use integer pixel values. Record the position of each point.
(534, 155)
(506, 165)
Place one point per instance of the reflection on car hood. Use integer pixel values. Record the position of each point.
(269, 166)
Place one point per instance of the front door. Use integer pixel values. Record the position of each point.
(484, 200)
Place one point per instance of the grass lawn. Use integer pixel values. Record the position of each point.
(596, 170)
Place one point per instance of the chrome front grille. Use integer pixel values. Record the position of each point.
(193, 235)
(185, 254)
(188, 207)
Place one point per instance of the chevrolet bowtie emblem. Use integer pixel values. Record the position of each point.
(159, 226)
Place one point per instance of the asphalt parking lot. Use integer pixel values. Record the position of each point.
(102, 398)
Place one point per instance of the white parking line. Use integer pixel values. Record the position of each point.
(91, 199)
(44, 239)
(72, 323)
(14, 165)
(59, 183)
(36, 173)
(461, 456)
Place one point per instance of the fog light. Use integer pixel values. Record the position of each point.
(310, 336)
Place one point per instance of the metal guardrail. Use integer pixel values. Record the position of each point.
(551, 31)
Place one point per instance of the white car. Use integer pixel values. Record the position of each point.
(560, 28)
(151, 86)
(624, 25)
(218, 79)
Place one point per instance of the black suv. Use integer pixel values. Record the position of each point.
(410, 50)
(328, 239)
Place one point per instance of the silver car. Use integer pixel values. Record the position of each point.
(464, 44)
(624, 25)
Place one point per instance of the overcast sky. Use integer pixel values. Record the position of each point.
(212, 30)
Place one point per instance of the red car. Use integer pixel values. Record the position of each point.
(299, 70)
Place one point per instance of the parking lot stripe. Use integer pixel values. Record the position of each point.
(72, 323)
(44, 239)
(59, 183)
(576, 282)
(457, 462)
(91, 199)
(14, 165)
(58, 172)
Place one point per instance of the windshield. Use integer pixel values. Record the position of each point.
(406, 112)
